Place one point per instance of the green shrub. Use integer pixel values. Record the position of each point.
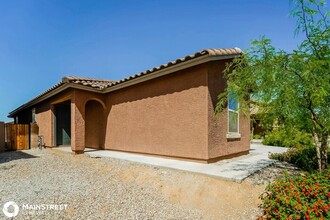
(286, 137)
(303, 157)
(256, 136)
(302, 197)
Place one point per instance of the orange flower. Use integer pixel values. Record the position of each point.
(307, 216)
(299, 207)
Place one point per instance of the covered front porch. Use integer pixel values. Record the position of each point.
(78, 121)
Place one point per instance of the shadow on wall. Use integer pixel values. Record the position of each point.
(95, 125)
(14, 155)
(216, 81)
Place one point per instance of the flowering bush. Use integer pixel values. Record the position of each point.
(302, 197)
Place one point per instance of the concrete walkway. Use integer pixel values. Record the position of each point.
(236, 169)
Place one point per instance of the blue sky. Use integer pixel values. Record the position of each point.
(43, 40)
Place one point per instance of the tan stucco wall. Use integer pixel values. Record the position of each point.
(94, 124)
(165, 116)
(44, 120)
(172, 115)
(219, 145)
(78, 119)
(45, 116)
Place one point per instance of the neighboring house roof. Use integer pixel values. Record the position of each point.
(104, 86)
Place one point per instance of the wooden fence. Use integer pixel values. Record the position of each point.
(34, 132)
(2, 136)
(17, 136)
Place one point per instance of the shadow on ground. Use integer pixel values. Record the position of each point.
(14, 155)
(245, 165)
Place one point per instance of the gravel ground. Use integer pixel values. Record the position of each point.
(274, 171)
(104, 188)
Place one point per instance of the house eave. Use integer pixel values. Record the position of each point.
(168, 70)
(124, 84)
(56, 91)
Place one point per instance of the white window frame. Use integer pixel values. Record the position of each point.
(233, 135)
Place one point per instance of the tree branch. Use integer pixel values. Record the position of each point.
(304, 17)
(323, 17)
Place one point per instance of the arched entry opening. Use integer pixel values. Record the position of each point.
(94, 124)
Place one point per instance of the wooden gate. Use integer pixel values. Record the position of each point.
(17, 136)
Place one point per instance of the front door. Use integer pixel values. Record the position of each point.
(63, 124)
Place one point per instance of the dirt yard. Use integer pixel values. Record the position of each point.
(103, 188)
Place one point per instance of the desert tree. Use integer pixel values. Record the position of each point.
(294, 86)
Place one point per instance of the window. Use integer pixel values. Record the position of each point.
(233, 117)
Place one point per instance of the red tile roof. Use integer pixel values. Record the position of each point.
(94, 83)
(101, 84)
(207, 52)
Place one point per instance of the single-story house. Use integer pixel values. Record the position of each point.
(167, 111)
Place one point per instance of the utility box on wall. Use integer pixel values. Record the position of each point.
(2, 136)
